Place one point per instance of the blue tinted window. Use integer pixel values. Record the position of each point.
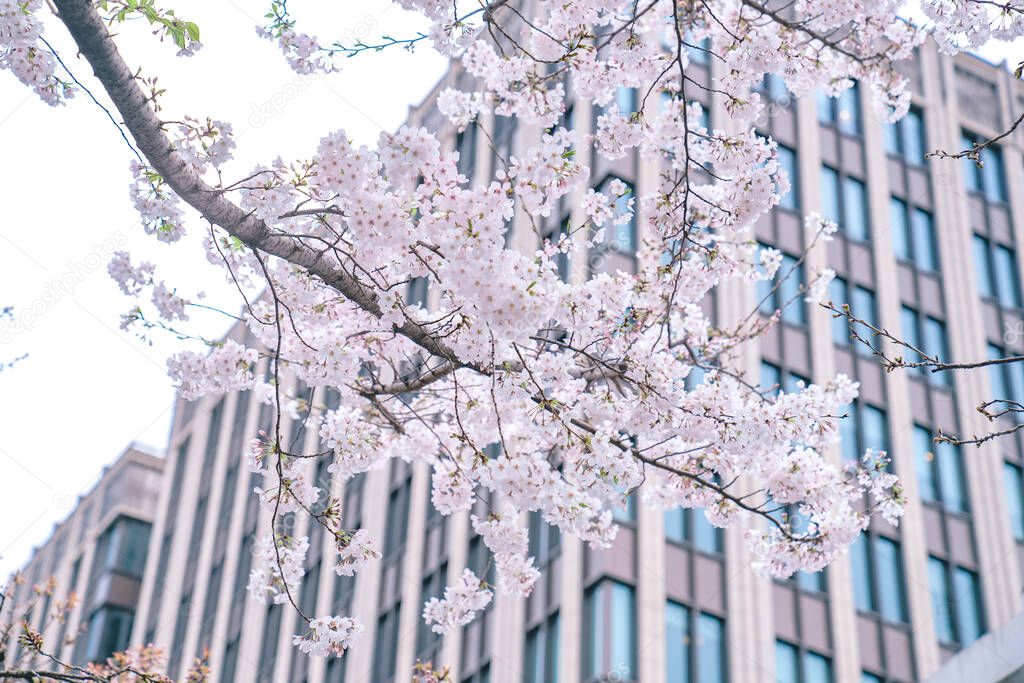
(830, 195)
(1007, 283)
(862, 305)
(817, 669)
(710, 649)
(941, 600)
(874, 426)
(861, 574)
(899, 229)
(912, 137)
(923, 233)
(787, 160)
(889, 573)
(934, 344)
(855, 209)
(967, 594)
(677, 642)
(706, 536)
(992, 174)
(925, 458)
(612, 628)
(1013, 477)
(848, 110)
(787, 663)
(951, 476)
(982, 269)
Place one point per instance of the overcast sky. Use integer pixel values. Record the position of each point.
(87, 389)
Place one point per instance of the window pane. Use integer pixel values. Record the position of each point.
(675, 525)
(534, 668)
(968, 605)
(972, 174)
(623, 631)
(863, 307)
(710, 650)
(826, 108)
(941, 600)
(1007, 284)
(840, 325)
(888, 568)
(935, 346)
(873, 422)
(1000, 388)
(925, 464)
(817, 669)
(552, 648)
(861, 574)
(912, 134)
(830, 195)
(855, 209)
(908, 326)
(786, 663)
(982, 271)
(677, 643)
(787, 160)
(899, 228)
(951, 476)
(771, 377)
(992, 174)
(1013, 477)
(925, 256)
(706, 536)
(789, 291)
(892, 141)
(848, 110)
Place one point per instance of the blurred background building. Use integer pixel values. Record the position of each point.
(98, 553)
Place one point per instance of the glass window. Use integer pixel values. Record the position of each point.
(941, 600)
(900, 229)
(926, 480)
(861, 574)
(951, 476)
(541, 654)
(888, 565)
(1007, 282)
(923, 239)
(956, 600)
(992, 174)
(677, 642)
(817, 669)
(848, 110)
(787, 663)
(611, 630)
(873, 424)
(787, 160)
(1013, 477)
(862, 305)
(830, 195)
(710, 649)
(934, 344)
(855, 209)
(625, 99)
(912, 137)
(865, 677)
(967, 593)
(982, 269)
(686, 525)
(783, 292)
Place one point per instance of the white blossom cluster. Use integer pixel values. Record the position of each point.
(23, 53)
(461, 603)
(328, 636)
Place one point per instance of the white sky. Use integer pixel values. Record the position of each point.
(87, 389)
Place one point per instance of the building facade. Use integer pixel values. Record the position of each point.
(97, 553)
(927, 248)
